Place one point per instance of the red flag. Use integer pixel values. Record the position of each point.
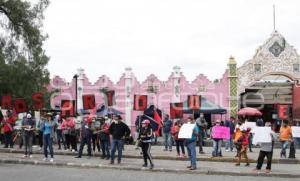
(176, 110)
(20, 105)
(89, 101)
(38, 100)
(194, 102)
(6, 102)
(140, 102)
(158, 120)
(283, 112)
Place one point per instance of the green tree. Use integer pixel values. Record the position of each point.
(22, 57)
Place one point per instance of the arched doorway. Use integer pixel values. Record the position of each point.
(272, 95)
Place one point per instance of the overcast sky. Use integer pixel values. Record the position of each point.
(152, 36)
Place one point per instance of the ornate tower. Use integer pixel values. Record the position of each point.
(232, 78)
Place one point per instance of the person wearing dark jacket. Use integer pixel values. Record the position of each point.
(86, 137)
(104, 140)
(118, 130)
(145, 139)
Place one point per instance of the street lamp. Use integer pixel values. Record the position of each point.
(76, 91)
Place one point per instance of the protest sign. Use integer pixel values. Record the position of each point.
(220, 132)
(186, 131)
(262, 135)
(296, 131)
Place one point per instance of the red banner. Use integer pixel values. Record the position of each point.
(20, 105)
(110, 95)
(194, 102)
(283, 112)
(89, 102)
(67, 108)
(140, 102)
(176, 110)
(6, 102)
(38, 100)
(296, 102)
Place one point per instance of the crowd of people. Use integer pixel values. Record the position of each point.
(107, 135)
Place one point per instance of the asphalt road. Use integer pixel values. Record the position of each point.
(44, 173)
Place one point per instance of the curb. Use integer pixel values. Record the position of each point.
(230, 160)
(132, 168)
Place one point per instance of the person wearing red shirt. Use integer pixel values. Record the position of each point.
(8, 128)
(244, 141)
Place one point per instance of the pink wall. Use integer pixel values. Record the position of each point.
(217, 93)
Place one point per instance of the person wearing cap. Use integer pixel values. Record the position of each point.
(86, 137)
(244, 140)
(266, 150)
(28, 126)
(48, 128)
(191, 145)
(145, 138)
(118, 130)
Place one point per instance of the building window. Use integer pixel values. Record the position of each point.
(257, 68)
(296, 67)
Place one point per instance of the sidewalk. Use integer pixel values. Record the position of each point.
(158, 153)
(170, 166)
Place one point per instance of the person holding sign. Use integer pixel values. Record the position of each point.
(285, 136)
(217, 140)
(28, 125)
(145, 139)
(191, 145)
(266, 150)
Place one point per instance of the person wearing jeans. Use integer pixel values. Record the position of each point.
(231, 126)
(86, 137)
(104, 140)
(118, 130)
(217, 141)
(48, 128)
(191, 145)
(28, 125)
(167, 126)
(285, 136)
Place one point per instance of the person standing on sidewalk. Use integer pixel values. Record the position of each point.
(191, 145)
(266, 150)
(285, 136)
(59, 133)
(145, 138)
(244, 139)
(118, 129)
(231, 126)
(167, 126)
(68, 127)
(48, 128)
(217, 142)
(202, 125)
(85, 137)
(39, 123)
(179, 142)
(104, 139)
(28, 125)
(8, 128)
(95, 136)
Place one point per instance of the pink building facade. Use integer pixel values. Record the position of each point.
(160, 93)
